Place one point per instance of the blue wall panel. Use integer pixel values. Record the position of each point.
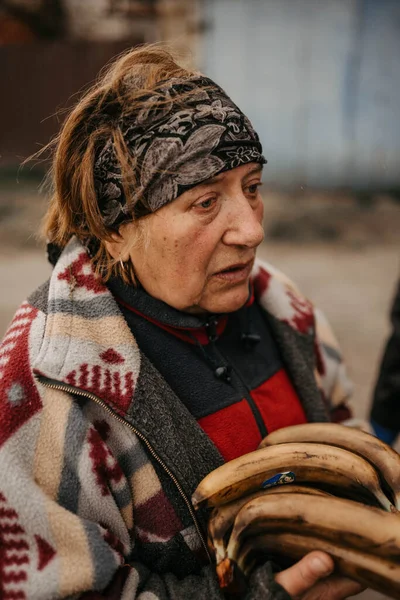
(320, 79)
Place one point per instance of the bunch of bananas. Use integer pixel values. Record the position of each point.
(318, 486)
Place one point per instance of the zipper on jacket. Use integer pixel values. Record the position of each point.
(211, 328)
(73, 390)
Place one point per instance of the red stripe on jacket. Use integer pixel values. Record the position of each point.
(234, 430)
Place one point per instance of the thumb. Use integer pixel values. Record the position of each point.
(299, 578)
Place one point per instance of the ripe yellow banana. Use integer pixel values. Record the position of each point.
(340, 521)
(325, 466)
(383, 457)
(375, 573)
(222, 517)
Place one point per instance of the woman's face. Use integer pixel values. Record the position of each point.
(201, 247)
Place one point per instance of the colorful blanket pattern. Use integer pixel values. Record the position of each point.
(78, 487)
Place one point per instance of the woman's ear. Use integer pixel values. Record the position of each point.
(116, 247)
(121, 242)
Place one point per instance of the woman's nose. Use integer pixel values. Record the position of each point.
(244, 227)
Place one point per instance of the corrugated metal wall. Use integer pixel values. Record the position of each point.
(319, 79)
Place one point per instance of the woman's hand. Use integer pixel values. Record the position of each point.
(311, 579)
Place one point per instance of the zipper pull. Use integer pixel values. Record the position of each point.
(211, 329)
(223, 372)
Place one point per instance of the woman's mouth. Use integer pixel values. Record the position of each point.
(235, 273)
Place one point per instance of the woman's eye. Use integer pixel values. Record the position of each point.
(208, 203)
(253, 188)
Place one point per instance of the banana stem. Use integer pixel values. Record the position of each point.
(225, 573)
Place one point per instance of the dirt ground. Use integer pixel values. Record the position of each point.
(352, 276)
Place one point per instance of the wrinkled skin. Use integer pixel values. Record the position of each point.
(183, 247)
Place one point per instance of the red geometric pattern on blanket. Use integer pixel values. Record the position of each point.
(261, 283)
(45, 551)
(105, 384)
(104, 465)
(16, 375)
(76, 278)
(112, 357)
(14, 556)
(156, 518)
(303, 318)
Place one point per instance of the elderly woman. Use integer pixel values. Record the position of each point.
(158, 349)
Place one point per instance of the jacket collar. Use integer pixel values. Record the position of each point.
(190, 328)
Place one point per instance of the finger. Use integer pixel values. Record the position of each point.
(334, 588)
(299, 578)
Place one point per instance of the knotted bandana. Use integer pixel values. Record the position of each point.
(186, 131)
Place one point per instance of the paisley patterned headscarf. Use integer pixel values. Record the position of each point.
(186, 131)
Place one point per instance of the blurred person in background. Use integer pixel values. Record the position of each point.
(385, 409)
(158, 349)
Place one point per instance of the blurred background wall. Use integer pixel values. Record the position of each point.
(321, 80)
(51, 49)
